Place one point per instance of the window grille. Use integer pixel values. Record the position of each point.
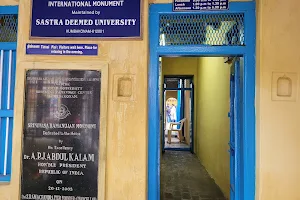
(8, 43)
(202, 29)
(8, 28)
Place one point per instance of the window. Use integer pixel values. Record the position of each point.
(8, 45)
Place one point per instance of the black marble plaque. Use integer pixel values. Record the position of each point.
(61, 135)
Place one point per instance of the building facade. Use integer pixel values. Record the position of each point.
(277, 137)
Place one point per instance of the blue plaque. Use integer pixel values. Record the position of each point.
(86, 19)
(200, 5)
(62, 49)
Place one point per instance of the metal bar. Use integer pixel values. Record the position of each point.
(6, 113)
(9, 80)
(4, 178)
(8, 10)
(193, 50)
(8, 46)
(1, 72)
(175, 89)
(6, 146)
(177, 149)
(8, 107)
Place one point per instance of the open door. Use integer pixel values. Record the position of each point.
(235, 128)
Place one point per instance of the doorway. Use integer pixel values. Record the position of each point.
(177, 110)
(205, 174)
(171, 35)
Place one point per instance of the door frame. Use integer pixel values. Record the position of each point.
(248, 151)
(191, 77)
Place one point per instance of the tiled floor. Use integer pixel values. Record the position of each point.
(184, 178)
(175, 143)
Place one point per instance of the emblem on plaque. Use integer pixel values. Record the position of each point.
(62, 112)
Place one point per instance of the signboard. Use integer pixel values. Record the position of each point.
(86, 19)
(61, 135)
(198, 5)
(62, 49)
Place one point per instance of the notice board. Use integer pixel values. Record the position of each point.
(61, 134)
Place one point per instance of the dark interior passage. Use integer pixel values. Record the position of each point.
(184, 178)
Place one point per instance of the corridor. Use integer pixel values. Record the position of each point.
(184, 178)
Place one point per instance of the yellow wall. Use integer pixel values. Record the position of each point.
(126, 168)
(9, 2)
(180, 66)
(212, 119)
(278, 135)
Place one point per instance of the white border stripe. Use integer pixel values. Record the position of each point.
(1, 69)
(8, 107)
